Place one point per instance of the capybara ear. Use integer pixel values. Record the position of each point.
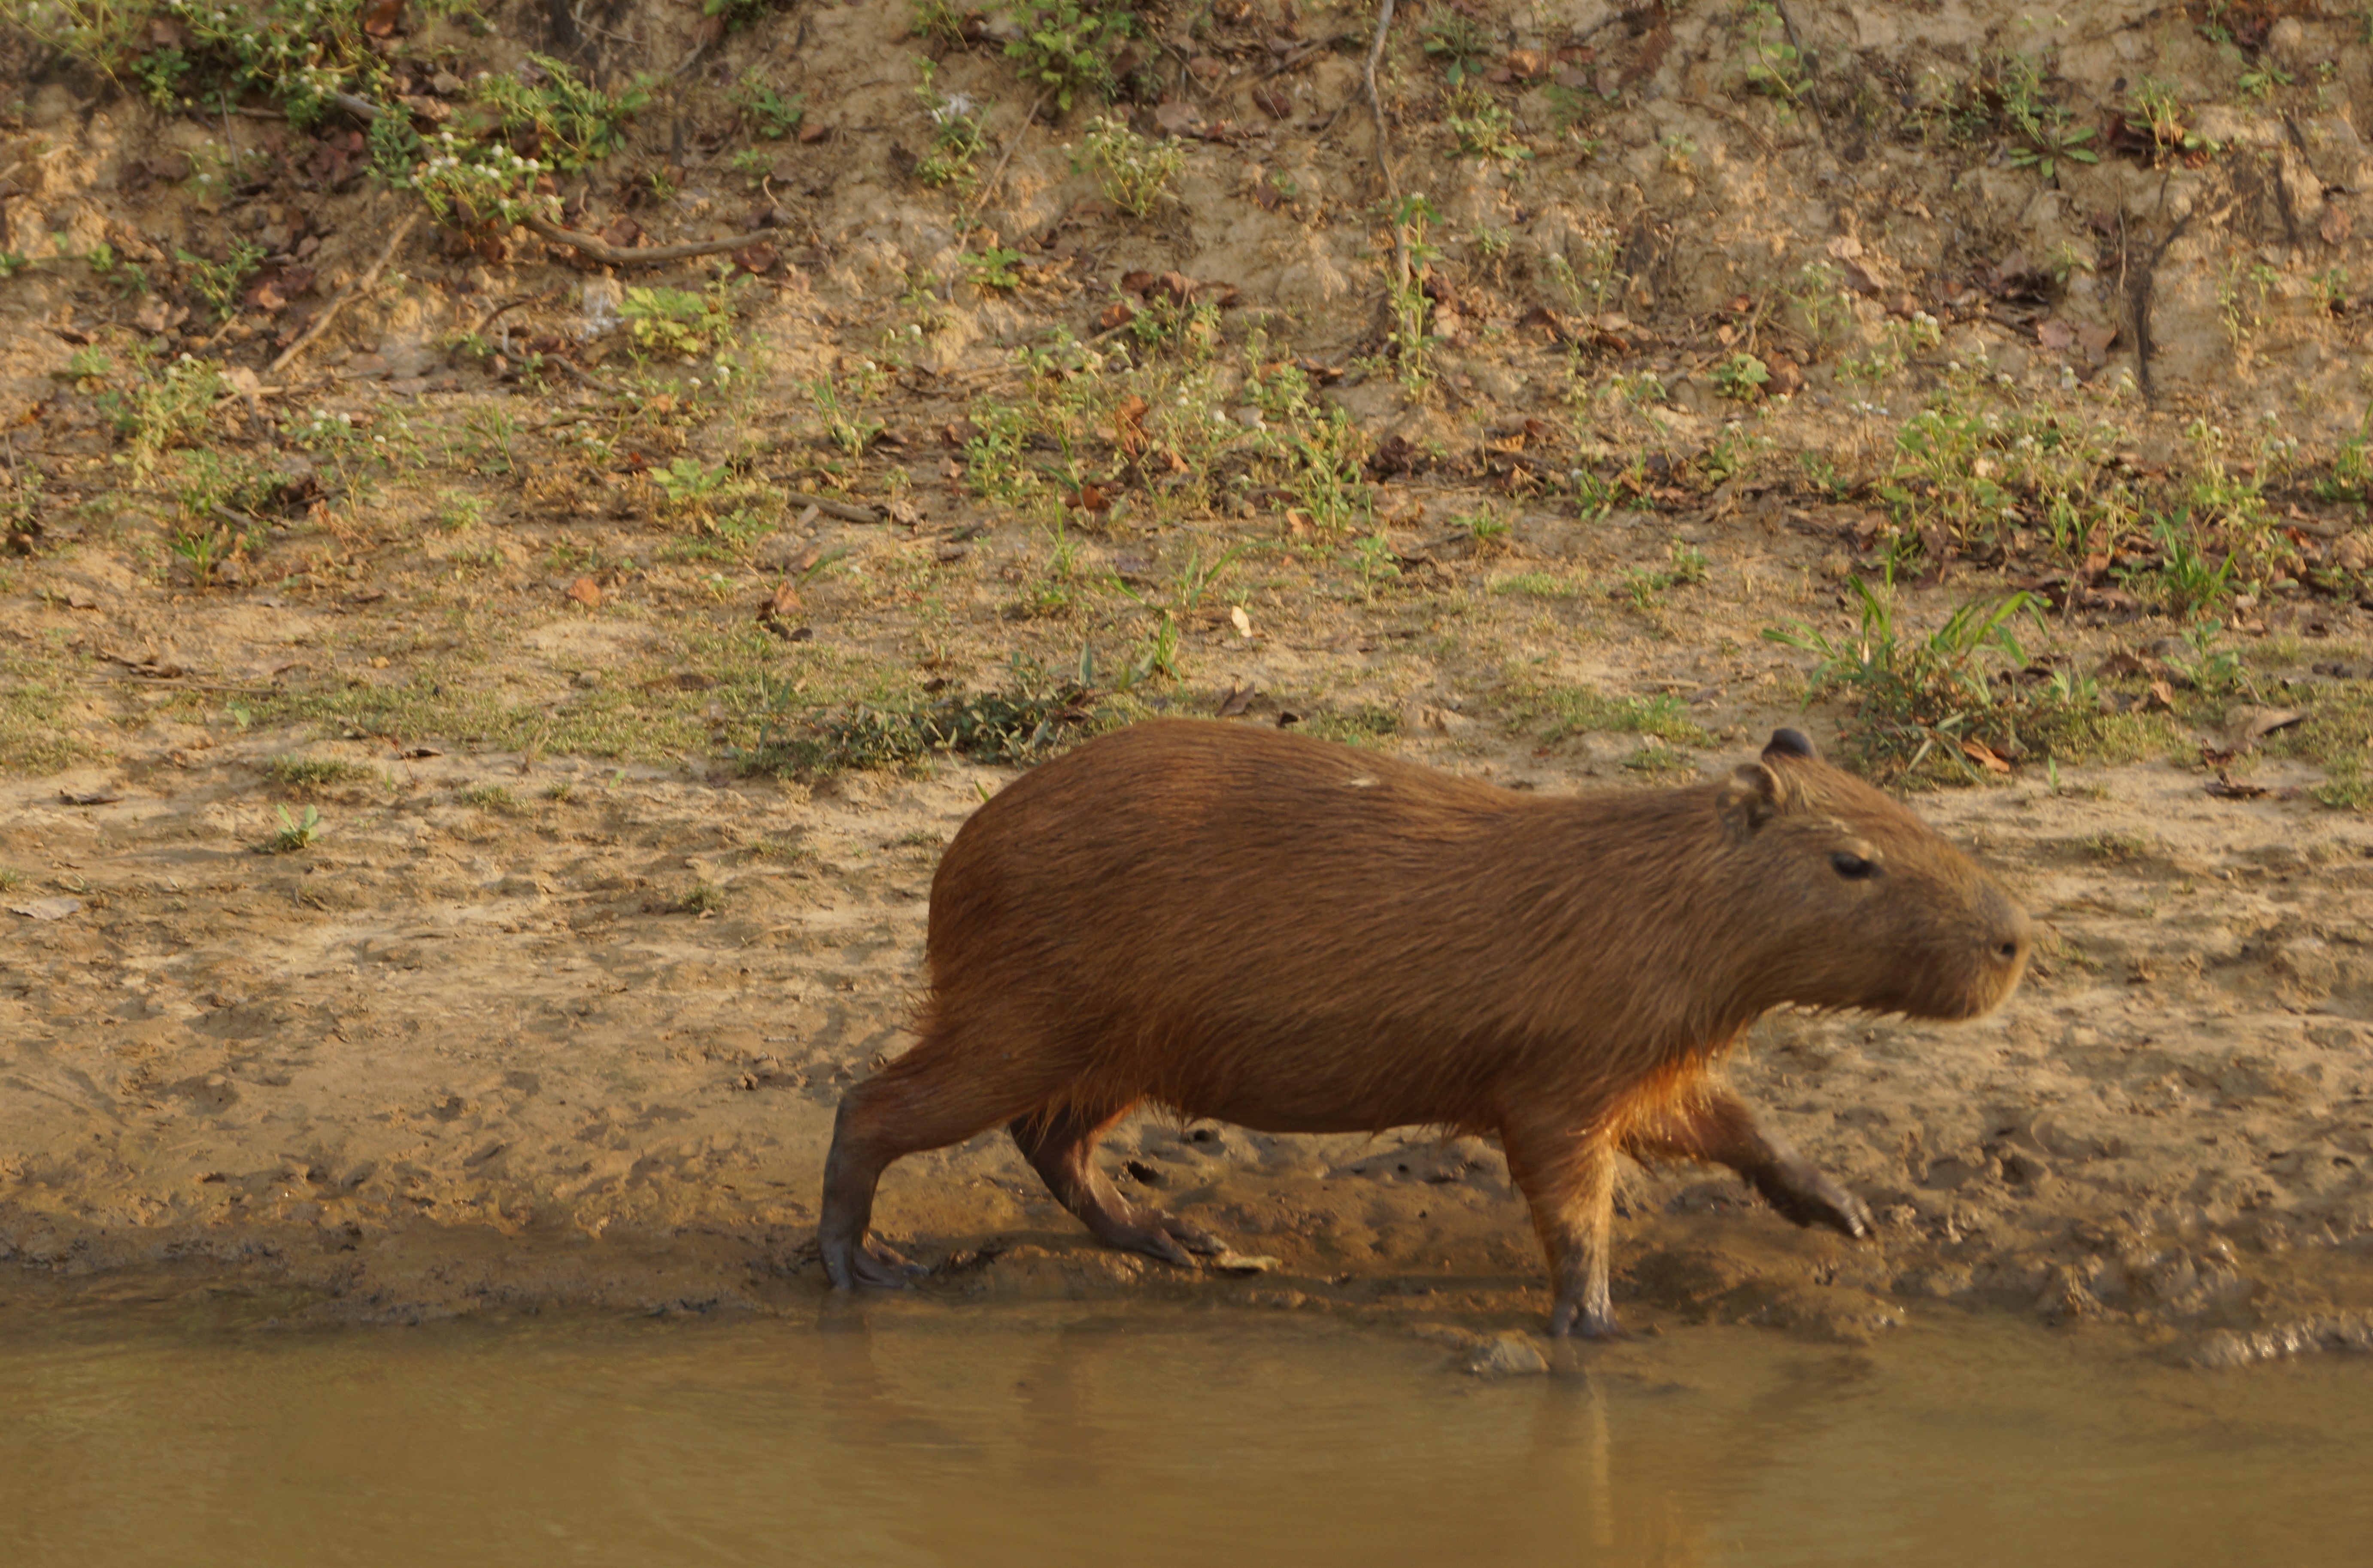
(1790, 743)
(1751, 797)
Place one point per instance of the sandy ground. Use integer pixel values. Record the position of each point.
(454, 1057)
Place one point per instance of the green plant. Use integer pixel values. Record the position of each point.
(675, 320)
(936, 19)
(1918, 697)
(959, 132)
(996, 267)
(2159, 112)
(770, 114)
(296, 832)
(1066, 50)
(1741, 378)
(474, 185)
(850, 431)
(2241, 295)
(1407, 344)
(2043, 132)
(1771, 65)
(704, 898)
(1564, 711)
(1131, 170)
(1457, 43)
(559, 118)
(157, 406)
(218, 283)
(1480, 126)
(12, 263)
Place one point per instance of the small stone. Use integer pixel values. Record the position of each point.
(1511, 1354)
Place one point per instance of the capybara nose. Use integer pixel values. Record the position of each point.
(2011, 932)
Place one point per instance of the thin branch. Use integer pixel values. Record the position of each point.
(611, 255)
(320, 324)
(845, 510)
(1384, 157)
(1012, 142)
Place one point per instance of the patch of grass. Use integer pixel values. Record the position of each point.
(34, 736)
(959, 132)
(1031, 718)
(703, 897)
(1559, 712)
(1952, 705)
(1132, 171)
(296, 832)
(495, 798)
(1457, 44)
(1659, 760)
(677, 321)
(1536, 584)
(2118, 846)
(318, 772)
(1364, 725)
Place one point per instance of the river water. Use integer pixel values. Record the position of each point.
(913, 1432)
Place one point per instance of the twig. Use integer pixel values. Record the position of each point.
(1305, 53)
(845, 510)
(1383, 159)
(588, 377)
(1012, 143)
(320, 324)
(610, 255)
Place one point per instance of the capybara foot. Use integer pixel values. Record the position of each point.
(1571, 1319)
(1811, 1197)
(1165, 1236)
(871, 1266)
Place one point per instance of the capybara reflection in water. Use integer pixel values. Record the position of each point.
(1242, 924)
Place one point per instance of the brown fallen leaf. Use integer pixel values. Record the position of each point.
(1984, 756)
(2055, 334)
(2337, 221)
(784, 605)
(586, 591)
(1239, 697)
(2247, 724)
(2225, 788)
(381, 17)
(47, 908)
(90, 797)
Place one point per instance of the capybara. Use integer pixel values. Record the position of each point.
(1240, 923)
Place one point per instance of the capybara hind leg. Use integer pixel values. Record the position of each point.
(1720, 1127)
(928, 1098)
(1060, 1145)
(1568, 1178)
(851, 1172)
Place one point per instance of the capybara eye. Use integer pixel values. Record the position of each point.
(1854, 868)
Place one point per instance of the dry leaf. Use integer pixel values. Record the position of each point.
(379, 20)
(1983, 756)
(1242, 623)
(784, 605)
(47, 908)
(1239, 697)
(2247, 724)
(2055, 334)
(90, 797)
(2225, 789)
(586, 591)
(2337, 221)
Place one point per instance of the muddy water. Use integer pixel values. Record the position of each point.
(907, 1433)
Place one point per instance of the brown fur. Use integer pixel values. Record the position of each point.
(1242, 924)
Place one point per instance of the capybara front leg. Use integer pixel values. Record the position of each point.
(1718, 1127)
(1568, 1177)
(1060, 1145)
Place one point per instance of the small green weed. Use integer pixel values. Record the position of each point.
(770, 112)
(1066, 50)
(1132, 172)
(296, 832)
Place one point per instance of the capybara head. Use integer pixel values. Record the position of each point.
(1857, 904)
